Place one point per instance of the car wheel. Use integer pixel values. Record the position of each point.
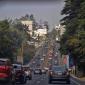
(68, 81)
(30, 78)
(13, 83)
(50, 81)
(23, 80)
(8, 81)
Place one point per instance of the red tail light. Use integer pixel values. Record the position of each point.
(5, 71)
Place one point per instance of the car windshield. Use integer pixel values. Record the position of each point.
(2, 63)
(17, 67)
(58, 68)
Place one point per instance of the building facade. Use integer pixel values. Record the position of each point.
(29, 25)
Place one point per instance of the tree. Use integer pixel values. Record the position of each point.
(73, 39)
(32, 17)
(26, 17)
(9, 40)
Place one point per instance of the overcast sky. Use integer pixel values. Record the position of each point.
(42, 10)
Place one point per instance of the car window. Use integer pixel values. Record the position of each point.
(17, 67)
(2, 63)
(58, 68)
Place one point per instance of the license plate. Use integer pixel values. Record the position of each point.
(59, 73)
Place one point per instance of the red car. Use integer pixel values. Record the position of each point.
(5, 70)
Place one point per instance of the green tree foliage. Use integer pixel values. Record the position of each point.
(12, 35)
(73, 40)
(11, 38)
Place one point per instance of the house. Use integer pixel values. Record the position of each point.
(29, 25)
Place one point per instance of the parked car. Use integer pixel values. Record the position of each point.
(5, 70)
(59, 73)
(20, 76)
(28, 72)
(37, 71)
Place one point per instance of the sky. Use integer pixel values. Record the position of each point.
(43, 10)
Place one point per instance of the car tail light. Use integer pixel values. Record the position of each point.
(65, 73)
(5, 69)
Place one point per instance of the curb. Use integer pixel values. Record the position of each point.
(83, 81)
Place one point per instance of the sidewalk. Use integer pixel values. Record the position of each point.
(79, 79)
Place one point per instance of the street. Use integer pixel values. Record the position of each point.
(43, 80)
(37, 62)
(42, 42)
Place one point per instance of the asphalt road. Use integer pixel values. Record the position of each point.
(43, 80)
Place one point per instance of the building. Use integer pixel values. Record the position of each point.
(60, 31)
(40, 35)
(29, 24)
(40, 32)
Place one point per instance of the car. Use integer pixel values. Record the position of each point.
(20, 76)
(44, 71)
(59, 73)
(28, 72)
(37, 71)
(46, 68)
(5, 70)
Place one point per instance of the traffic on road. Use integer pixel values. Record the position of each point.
(18, 74)
(42, 42)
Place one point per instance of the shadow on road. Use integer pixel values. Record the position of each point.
(60, 83)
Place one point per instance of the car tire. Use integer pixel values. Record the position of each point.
(23, 80)
(68, 81)
(50, 81)
(30, 78)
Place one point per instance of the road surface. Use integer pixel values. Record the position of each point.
(43, 80)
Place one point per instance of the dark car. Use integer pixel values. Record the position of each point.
(20, 76)
(37, 71)
(59, 73)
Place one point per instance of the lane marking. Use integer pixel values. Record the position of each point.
(75, 82)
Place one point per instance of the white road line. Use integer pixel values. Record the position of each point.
(75, 82)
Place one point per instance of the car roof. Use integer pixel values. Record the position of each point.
(25, 65)
(16, 64)
(58, 66)
(3, 59)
